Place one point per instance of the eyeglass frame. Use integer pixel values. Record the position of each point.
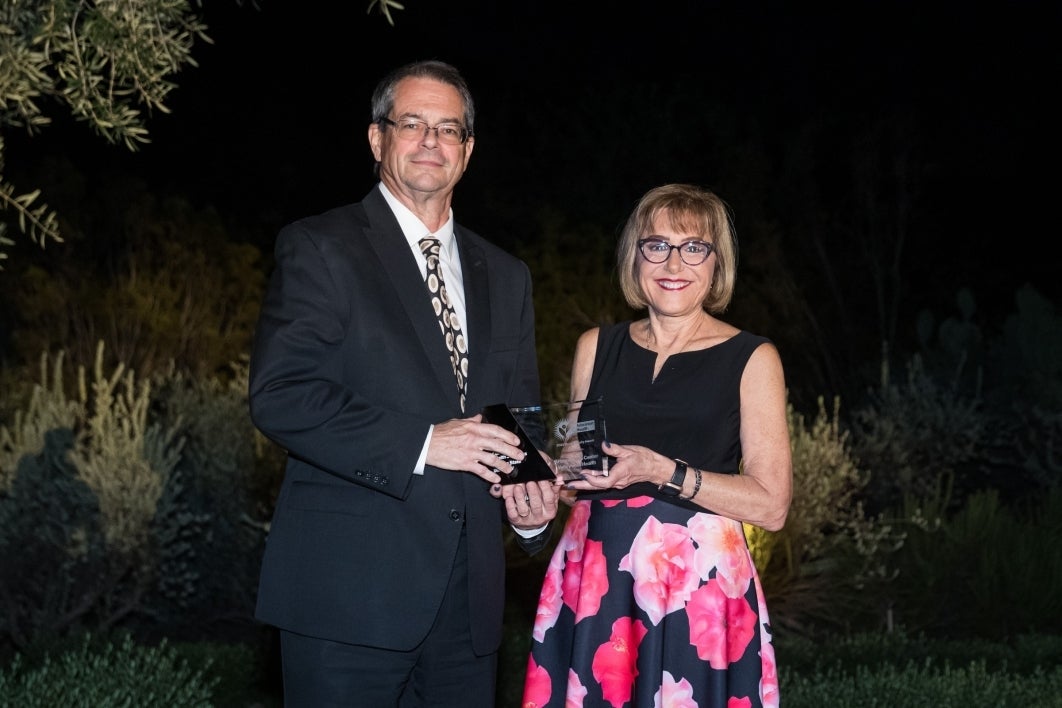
(658, 239)
(465, 132)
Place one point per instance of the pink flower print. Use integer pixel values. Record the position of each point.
(720, 627)
(636, 502)
(761, 604)
(576, 691)
(769, 670)
(583, 581)
(721, 545)
(549, 598)
(610, 503)
(661, 561)
(769, 679)
(594, 582)
(674, 694)
(615, 660)
(571, 542)
(537, 686)
(734, 702)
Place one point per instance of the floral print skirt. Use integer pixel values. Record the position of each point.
(647, 604)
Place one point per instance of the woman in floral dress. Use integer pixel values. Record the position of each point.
(651, 599)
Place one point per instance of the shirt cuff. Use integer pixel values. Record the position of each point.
(526, 533)
(419, 469)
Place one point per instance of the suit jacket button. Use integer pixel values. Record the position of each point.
(455, 514)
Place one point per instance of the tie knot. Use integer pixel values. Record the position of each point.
(429, 246)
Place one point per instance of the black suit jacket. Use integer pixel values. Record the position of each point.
(348, 371)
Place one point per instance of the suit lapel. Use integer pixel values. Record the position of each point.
(477, 309)
(386, 239)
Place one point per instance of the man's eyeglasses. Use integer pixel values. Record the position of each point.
(656, 250)
(413, 129)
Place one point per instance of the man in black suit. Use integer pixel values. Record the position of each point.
(384, 566)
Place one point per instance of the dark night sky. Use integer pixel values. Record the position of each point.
(271, 125)
(273, 121)
(279, 103)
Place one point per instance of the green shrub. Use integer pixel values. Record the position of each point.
(123, 504)
(229, 475)
(241, 671)
(1021, 655)
(913, 433)
(815, 569)
(163, 282)
(106, 675)
(922, 683)
(88, 504)
(985, 570)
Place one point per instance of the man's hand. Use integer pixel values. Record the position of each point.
(470, 445)
(529, 505)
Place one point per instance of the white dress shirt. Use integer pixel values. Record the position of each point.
(449, 262)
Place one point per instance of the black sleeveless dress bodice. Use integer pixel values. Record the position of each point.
(690, 411)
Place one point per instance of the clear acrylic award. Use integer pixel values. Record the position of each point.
(574, 433)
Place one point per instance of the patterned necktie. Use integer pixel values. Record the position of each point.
(448, 322)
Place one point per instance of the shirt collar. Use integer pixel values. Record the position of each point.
(414, 229)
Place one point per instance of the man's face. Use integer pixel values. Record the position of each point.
(421, 166)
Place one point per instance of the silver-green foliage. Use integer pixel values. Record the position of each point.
(915, 432)
(109, 62)
(90, 501)
(112, 674)
(230, 472)
(829, 549)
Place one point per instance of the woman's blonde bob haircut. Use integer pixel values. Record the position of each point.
(693, 212)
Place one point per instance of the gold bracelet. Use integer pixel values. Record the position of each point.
(696, 484)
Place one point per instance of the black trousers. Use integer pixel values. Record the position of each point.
(443, 672)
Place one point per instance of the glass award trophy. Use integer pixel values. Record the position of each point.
(574, 431)
(529, 429)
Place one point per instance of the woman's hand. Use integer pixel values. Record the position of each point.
(633, 464)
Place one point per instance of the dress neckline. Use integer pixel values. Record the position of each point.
(630, 337)
(658, 366)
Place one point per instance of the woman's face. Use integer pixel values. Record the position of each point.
(673, 287)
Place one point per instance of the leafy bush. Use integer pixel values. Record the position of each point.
(163, 283)
(986, 407)
(845, 654)
(116, 512)
(230, 474)
(985, 570)
(106, 675)
(242, 672)
(914, 433)
(100, 486)
(814, 569)
(897, 670)
(922, 684)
